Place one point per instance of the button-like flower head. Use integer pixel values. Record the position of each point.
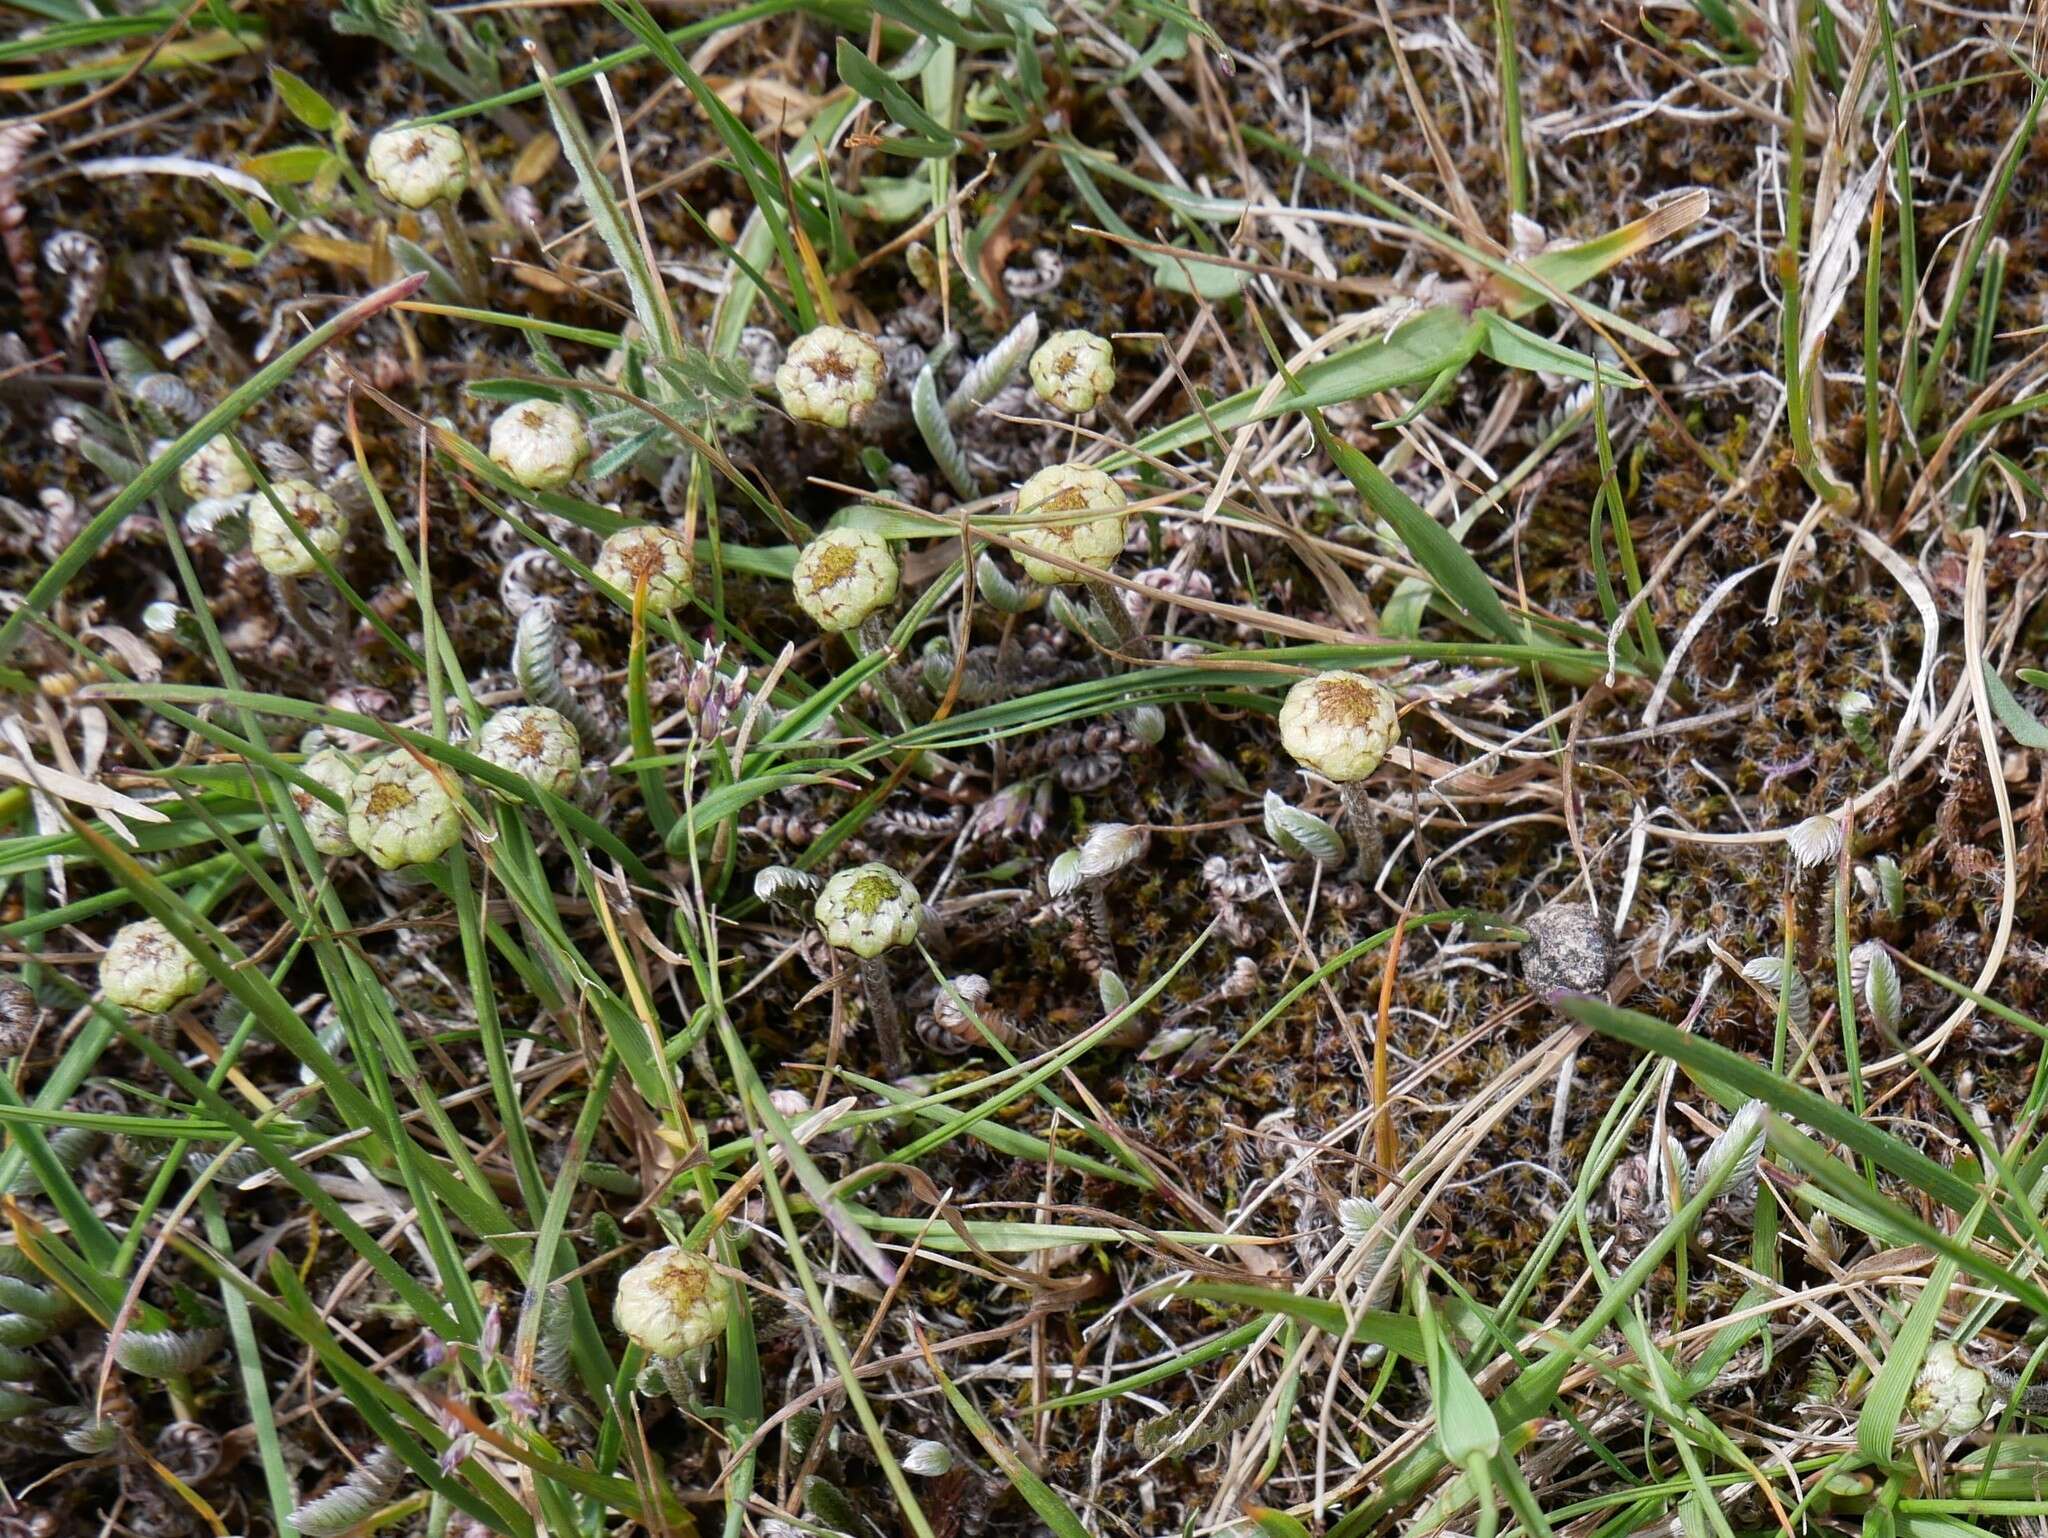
(843, 576)
(831, 376)
(535, 743)
(671, 1302)
(398, 814)
(869, 909)
(540, 444)
(1057, 494)
(312, 510)
(418, 166)
(659, 557)
(1339, 724)
(1073, 370)
(214, 471)
(147, 969)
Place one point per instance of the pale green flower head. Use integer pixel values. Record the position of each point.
(659, 557)
(1064, 495)
(326, 827)
(308, 507)
(398, 814)
(214, 470)
(535, 743)
(540, 444)
(417, 166)
(1073, 370)
(147, 969)
(671, 1302)
(831, 376)
(843, 576)
(869, 909)
(1339, 724)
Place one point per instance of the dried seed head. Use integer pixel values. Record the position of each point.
(843, 576)
(215, 471)
(418, 166)
(147, 969)
(540, 444)
(398, 814)
(535, 743)
(658, 557)
(1568, 948)
(325, 826)
(1073, 370)
(831, 376)
(1109, 847)
(868, 909)
(1339, 724)
(1056, 494)
(309, 509)
(1948, 1396)
(1815, 841)
(671, 1302)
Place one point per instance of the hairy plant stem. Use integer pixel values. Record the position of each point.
(1109, 603)
(1368, 845)
(1098, 919)
(882, 1010)
(468, 271)
(874, 637)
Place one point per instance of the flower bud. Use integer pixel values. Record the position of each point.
(1072, 370)
(655, 556)
(1948, 1396)
(831, 376)
(867, 910)
(398, 814)
(147, 969)
(307, 507)
(214, 470)
(541, 444)
(1339, 724)
(843, 576)
(417, 166)
(535, 743)
(1057, 492)
(671, 1302)
(325, 826)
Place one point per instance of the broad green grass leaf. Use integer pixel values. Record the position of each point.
(1877, 1424)
(1449, 564)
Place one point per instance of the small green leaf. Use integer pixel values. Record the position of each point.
(929, 139)
(302, 101)
(1275, 1524)
(2027, 731)
(289, 167)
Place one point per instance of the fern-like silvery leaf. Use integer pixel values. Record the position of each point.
(994, 369)
(353, 1501)
(1881, 989)
(937, 430)
(1301, 834)
(1736, 1150)
(1770, 972)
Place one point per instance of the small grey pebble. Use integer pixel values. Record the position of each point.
(1570, 948)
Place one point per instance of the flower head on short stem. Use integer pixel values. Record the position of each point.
(670, 1302)
(870, 910)
(535, 743)
(427, 166)
(845, 577)
(1341, 725)
(215, 470)
(1084, 521)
